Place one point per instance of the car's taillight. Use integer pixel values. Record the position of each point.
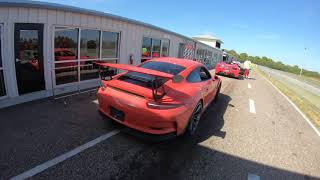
(159, 105)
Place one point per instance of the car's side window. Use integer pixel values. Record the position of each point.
(204, 74)
(194, 76)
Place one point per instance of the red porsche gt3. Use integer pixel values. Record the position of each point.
(227, 69)
(163, 96)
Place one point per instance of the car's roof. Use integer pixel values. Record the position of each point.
(179, 61)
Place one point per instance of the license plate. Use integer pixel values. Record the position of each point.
(117, 114)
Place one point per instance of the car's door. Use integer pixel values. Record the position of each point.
(209, 85)
(201, 79)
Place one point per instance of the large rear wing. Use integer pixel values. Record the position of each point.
(137, 69)
(156, 83)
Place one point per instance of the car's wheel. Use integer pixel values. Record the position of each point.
(194, 120)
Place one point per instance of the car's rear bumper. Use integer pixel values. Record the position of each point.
(138, 116)
(143, 135)
(141, 128)
(230, 74)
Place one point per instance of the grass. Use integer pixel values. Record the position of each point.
(308, 108)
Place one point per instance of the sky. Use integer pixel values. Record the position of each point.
(284, 30)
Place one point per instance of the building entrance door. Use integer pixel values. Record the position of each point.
(28, 45)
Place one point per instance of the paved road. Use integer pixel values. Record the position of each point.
(293, 79)
(268, 139)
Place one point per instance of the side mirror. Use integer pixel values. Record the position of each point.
(216, 77)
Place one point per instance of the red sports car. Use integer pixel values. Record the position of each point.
(226, 69)
(163, 96)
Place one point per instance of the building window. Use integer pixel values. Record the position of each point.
(66, 44)
(71, 68)
(2, 86)
(218, 45)
(165, 48)
(156, 44)
(152, 48)
(146, 48)
(109, 44)
(89, 44)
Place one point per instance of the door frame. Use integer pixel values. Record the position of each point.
(30, 26)
(2, 68)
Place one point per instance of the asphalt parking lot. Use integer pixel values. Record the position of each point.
(251, 132)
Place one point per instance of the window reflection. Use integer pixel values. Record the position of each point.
(152, 48)
(165, 49)
(109, 44)
(65, 44)
(66, 72)
(156, 44)
(89, 44)
(71, 68)
(89, 70)
(146, 47)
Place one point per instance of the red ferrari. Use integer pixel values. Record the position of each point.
(163, 96)
(226, 69)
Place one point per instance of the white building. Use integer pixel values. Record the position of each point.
(209, 40)
(49, 49)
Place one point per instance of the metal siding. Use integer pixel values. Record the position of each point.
(52, 17)
(33, 15)
(61, 17)
(84, 20)
(68, 18)
(4, 12)
(43, 16)
(92, 22)
(76, 19)
(23, 14)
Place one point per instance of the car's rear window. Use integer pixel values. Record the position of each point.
(165, 67)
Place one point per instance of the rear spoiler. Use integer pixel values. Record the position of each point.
(155, 82)
(137, 69)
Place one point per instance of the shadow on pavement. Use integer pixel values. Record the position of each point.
(187, 158)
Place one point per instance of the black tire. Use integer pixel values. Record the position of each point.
(194, 120)
(216, 97)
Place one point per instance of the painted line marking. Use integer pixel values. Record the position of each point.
(252, 107)
(253, 177)
(249, 85)
(63, 157)
(300, 112)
